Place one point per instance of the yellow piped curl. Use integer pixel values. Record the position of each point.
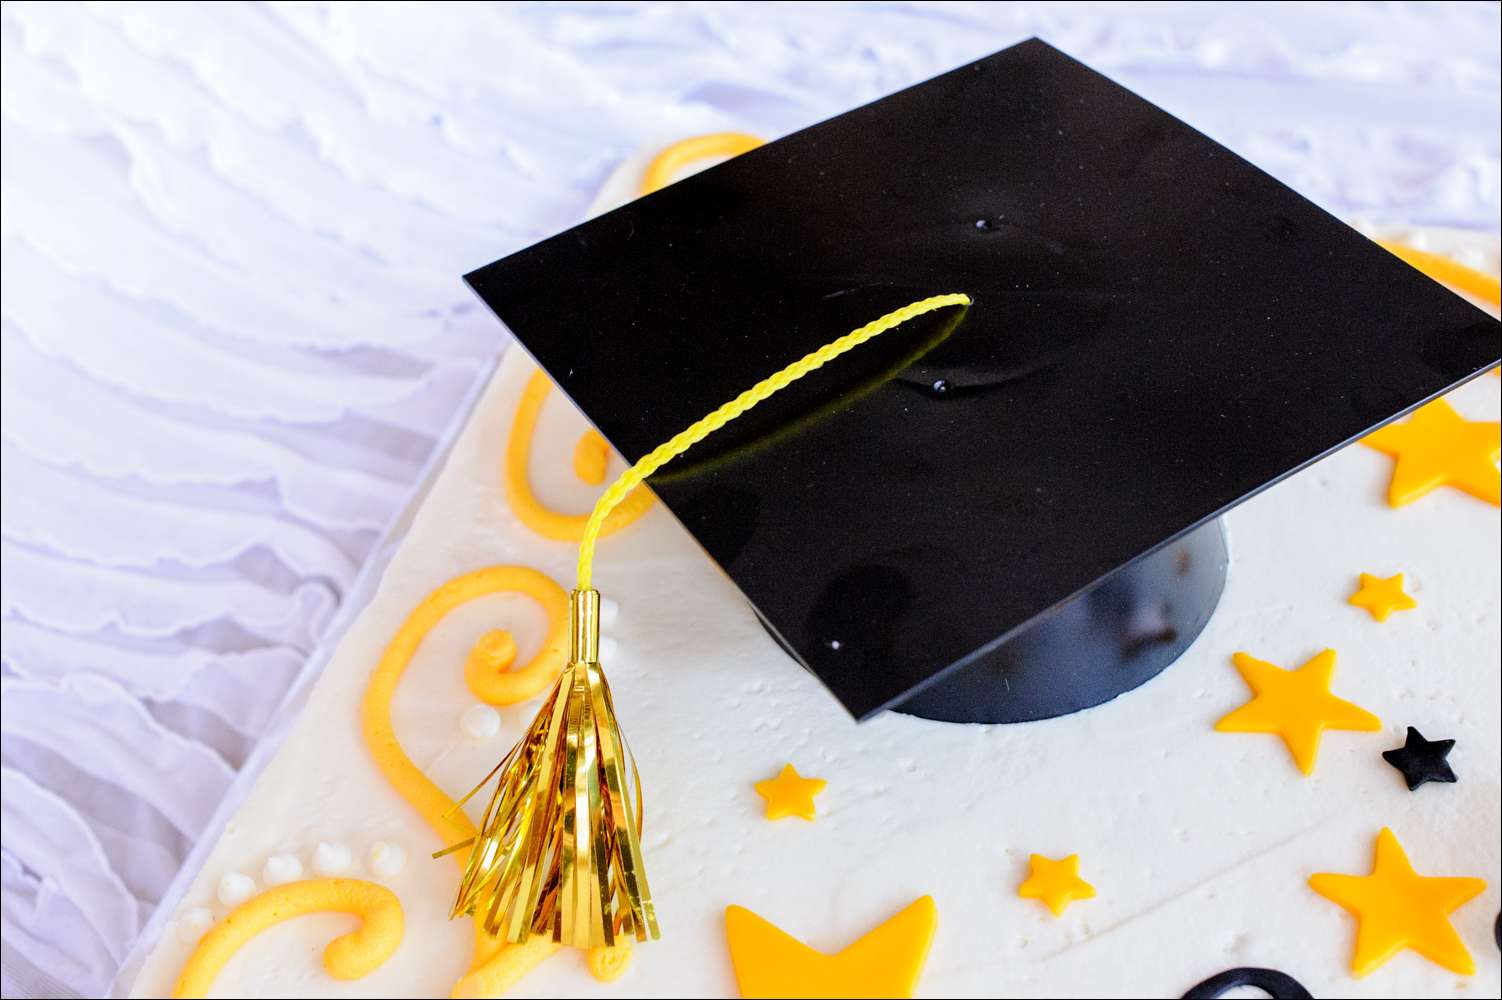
(591, 453)
(1447, 271)
(591, 457)
(666, 164)
(608, 963)
(532, 512)
(506, 687)
(722, 415)
(349, 956)
(498, 966)
(495, 966)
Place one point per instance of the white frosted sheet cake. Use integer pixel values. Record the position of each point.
(1199, 843)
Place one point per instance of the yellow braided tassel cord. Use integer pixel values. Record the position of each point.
(702, 428)
(558, 853)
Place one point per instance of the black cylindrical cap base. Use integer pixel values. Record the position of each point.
(1090, 649)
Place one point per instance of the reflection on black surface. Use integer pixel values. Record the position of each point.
(795, 409)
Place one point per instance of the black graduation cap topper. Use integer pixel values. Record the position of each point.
(1006, 512)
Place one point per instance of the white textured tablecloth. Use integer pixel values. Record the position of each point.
(234, 335)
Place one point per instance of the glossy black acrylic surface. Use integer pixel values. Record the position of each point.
(1122, 632)
(1159, 331)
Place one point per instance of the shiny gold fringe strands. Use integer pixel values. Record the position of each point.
(558, 851)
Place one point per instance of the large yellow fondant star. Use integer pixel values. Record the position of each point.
(1055, 883)
(789, 794)
(1296, 705)
(1381, 596)
(1437, 447)
(885, 963)
(1398, 908)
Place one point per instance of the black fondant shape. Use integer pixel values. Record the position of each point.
(1422, 760)
(1269, 981)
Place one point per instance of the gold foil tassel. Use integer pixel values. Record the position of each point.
(558, 851)
(559, 848)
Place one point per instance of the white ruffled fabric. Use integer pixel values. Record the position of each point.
(234, 336)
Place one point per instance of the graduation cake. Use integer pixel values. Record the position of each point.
(1034, 627)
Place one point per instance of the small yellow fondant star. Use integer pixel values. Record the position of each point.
(1056, 883)
(1437, 447)
(1295, 704)
(790, 795)
(1382, 596)
(885, 963)
(1398, 908)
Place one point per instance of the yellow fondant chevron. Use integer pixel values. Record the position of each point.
(884, 963)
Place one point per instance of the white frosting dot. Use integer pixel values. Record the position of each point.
(331, 858)
(480, 722)
(194, 923)
(281, 869)
(235, 888)
(387, 859)
(609, 647)
(610, 611)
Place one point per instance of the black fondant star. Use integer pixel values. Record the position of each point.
(1421, 760)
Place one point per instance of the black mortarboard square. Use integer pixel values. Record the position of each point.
(1160, 330)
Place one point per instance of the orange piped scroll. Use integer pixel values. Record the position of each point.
(502, 688)
(591, 458)
(533, 512)
(608, 963)
(591, 453)
(496, 966)
(491, 656)
(1448, 272)
(666, 164)
(349, 956)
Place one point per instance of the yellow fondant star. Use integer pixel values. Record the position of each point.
(1437, 447)
(1398, 908)
(790, 795)
(1295, 704)
(1382, 596)
(1055, 883)
(885, 963)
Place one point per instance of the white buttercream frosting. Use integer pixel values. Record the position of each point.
(332, 858)
(610, 611)
(386, 859)
(281, 869)
(480, 722)
(235, 888)
(193, 923)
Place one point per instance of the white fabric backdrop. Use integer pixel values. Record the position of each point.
(233, 332)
